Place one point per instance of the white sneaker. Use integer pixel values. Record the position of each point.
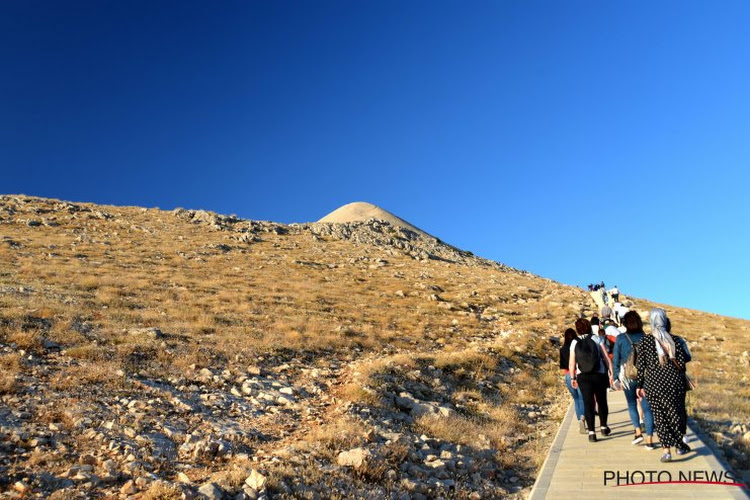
(685, 439)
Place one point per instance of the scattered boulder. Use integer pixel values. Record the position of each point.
(358, 458)
(256, 480)
(211, 491)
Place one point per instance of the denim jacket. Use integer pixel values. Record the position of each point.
(622, 350)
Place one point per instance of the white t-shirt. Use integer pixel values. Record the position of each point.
(620, 309)
(612, 331)
(572, 351)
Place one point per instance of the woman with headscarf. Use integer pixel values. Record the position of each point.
(624, 345)
(661, 380)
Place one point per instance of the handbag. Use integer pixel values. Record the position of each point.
(690, 384)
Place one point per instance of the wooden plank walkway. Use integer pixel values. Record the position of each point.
(576, 468)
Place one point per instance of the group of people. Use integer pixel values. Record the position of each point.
(598, 356)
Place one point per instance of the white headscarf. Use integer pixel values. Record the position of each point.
(658, 319)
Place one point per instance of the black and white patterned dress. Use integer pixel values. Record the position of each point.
(665, 390)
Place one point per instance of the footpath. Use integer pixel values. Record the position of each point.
(614, 468)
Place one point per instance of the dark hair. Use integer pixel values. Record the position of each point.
(594, 320)
(570, 335)
(668, 325)
(583, 327)
(632, 321)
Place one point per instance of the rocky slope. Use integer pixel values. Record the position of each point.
(186, 354)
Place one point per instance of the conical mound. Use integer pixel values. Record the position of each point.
(361, 211)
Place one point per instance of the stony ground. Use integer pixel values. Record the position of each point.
(185, 354)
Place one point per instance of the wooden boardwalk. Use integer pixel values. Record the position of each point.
(576, 468)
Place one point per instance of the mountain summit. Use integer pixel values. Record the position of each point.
(361, 211)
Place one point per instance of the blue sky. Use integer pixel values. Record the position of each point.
(581, 140)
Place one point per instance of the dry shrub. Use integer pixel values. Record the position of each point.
(161, 491)
(389, 456)
(59, 416)
(496, 423)
(466, 363)
(11, 363)
(344, 433)
(357, 393)
(41, 457)
(90, 352)
(233, 477)
(88, 283)
(8, 383)
(11, 366)
(106, 373)
(29, 341)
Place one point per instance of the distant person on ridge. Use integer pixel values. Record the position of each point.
(570, 337)
(661, 380)
(591, 365)
(615, 293)
(624, 344)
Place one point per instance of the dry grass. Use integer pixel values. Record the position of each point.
(342, 433)
(11, 367)
(161, 491)
(103, 373)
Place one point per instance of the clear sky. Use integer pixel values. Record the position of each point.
(579, 140)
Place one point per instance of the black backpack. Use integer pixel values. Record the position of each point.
(587, 355)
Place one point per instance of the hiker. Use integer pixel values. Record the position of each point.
(602, 340)
(620, 310)
(661, 380)
(624, 345)
(610, 333)
(595, 324)
(575, 393)
(614, 292)
(606, 312)
(593, 370)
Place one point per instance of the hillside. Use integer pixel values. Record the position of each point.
(169, 354)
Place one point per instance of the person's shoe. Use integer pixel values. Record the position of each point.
(682, 448)
(685, 439)
(638, 439)
(667, 457)
(582, 425)
(592, 437)
(605, 431)
(652, 446)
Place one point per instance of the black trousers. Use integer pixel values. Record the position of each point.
(594, 391)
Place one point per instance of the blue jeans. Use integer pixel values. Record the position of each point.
(577, 397)
(648, 416)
